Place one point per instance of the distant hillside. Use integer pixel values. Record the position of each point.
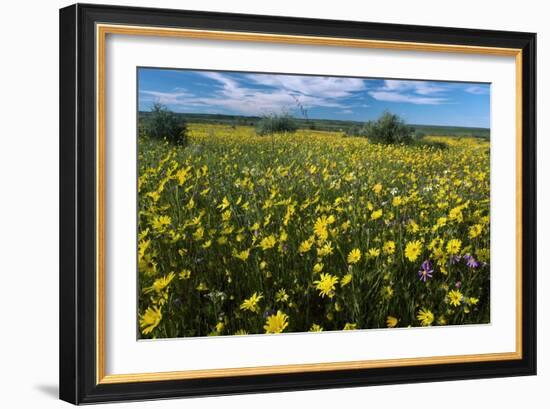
(325, 124)
(458, 131)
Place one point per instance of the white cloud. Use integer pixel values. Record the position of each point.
(166, 98)
(281, 92)
(417, 87)
(230, 87)
(413, 92)
(320, 87)
(477, 90)
(412, 99)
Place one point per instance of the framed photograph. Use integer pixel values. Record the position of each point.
(257, 203)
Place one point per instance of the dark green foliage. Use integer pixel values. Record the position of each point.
(355, 130)
(389, 129)
(162, 123)
(276, 123)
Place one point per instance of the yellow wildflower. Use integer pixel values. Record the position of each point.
(318, 267)
(455, 297)
(413, 250)
(160, 223)
(475, 231)
(268, 242)
(276, 323)
(198, 234)
(425, 317)
(160, 284)
(391, 322)
(224, 204)
(345, 280)
(326, 285)
(281, 295)
(242, 255)
(251, 304)
(320, 228)
(412, 227)
(150, 319)
(374, 252)
(389, 247)
(376, 214)
(453, 246)
(456, 214)
(387, 292)
(305, 246)
(202, 287)
(354, 256)
(226, 216)
(326, 250)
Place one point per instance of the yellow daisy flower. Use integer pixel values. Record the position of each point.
(391, 322)
(425, 317)
(251, 304)
(413, 250)
(150, 319)
(276, 323)
(326, 285)
(455, 297)
(354, 256)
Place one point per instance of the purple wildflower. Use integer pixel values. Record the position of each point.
(471, 261)
(458, 284)
(455, 259)
(426, 271)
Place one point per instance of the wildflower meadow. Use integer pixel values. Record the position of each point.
(241, 233)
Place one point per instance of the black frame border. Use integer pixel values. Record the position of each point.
(78, 210)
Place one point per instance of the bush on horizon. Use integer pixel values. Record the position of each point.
(387, 129)
(163, 123)
(276, 123)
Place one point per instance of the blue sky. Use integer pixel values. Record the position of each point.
(346, 98)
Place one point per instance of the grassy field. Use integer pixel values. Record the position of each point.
(310, 231)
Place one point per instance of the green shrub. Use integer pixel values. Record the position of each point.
(355, 130)
(276, 123)
(389, 129)
(163, 123)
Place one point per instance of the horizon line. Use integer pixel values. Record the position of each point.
(322, 119)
